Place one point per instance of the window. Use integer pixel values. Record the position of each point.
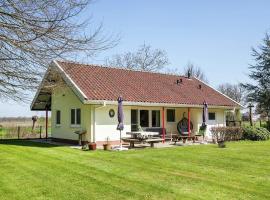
(134, 120)
(155, 118)
(58, 117)
(170, 115)
(144, 118)
(75, 116)
(212, 116)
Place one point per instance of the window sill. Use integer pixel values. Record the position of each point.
(58, 125)
(171, 122)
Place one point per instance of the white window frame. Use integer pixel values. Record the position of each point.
(167, 115)
(212, 120)
(75, 118)
(56, 124)
(149, 116)
(160, 120)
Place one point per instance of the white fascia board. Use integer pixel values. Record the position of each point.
(75, 88)
(130, 103)
(220, 92)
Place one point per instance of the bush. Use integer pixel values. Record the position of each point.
(266, 125)
(255, 133)
(227, 133)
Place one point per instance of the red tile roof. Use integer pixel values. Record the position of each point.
(105, 83)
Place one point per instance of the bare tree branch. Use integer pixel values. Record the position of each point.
(32, 33)
(234, 91)
(144, 59)
(197, 72)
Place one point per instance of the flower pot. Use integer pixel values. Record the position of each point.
(221, 144)
(92, 146)
(107, 147)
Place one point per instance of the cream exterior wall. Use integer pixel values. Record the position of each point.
(96, 119)
(64, 99)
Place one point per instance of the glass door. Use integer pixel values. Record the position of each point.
(134, 120)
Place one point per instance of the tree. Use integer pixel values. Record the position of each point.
(259, 90)
(33, 33)
(145, 59)
(197, 72)
(234, 91)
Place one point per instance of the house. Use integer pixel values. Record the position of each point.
(84, 97)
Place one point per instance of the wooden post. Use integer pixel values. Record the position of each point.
(40, 131)
(189, 122)
(163, 124)
(46, 123)
(250, 106)
(19, 130)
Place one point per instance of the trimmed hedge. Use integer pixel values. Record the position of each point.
(256, 133)
(227, 133)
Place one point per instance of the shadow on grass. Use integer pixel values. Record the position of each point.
(27, 143)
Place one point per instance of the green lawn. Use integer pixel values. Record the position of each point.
(38, 171)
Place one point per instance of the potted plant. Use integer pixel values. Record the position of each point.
(107, 145)
(92, 146)
(202, 130)
(221, 144)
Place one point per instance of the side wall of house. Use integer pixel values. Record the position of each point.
(63, 99)
(105, 125)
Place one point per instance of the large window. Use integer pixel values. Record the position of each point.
(144, 118)
(155, 118)
(170, 115)
(212, 116)
(134, 120)
(58, 117)
(75, 116)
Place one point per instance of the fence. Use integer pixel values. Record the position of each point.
(23, 132)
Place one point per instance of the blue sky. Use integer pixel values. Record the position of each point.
(215, 35)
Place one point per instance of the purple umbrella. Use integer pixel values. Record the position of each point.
(120, 115)
(204, 117)
(205, 113)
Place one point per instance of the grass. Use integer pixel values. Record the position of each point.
(41, 171)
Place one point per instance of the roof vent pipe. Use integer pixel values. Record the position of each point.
(189, 74)
(178, 81)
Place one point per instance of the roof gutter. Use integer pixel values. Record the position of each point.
(130, 103)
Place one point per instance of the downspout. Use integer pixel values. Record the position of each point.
(94, 118)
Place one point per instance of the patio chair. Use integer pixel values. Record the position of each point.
(183, 134)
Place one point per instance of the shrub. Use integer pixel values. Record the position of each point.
(255, 133)
(227, 133)
(266, 125)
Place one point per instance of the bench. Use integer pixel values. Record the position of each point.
(185, 138)
(134, 141)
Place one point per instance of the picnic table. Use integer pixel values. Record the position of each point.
(142, 133)
(134, 141)
(186, 137)
(138, 137)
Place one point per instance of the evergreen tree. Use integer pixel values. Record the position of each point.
(259, 90)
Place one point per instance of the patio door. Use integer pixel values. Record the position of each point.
(134, 120)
